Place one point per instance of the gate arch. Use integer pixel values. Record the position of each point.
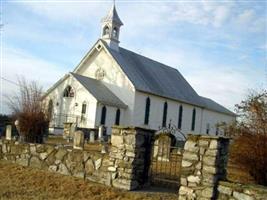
(166, 156)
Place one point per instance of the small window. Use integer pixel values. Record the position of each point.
(147, 110)
(103, 115)
(165, 110)
(118, 114)
(68, 92)
(208, 129)
(180, 117)
(106, 30)
(193, 120)
(115, 32)
(84, 108)
(50, 108)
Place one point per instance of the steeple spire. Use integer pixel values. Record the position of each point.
(111, 24)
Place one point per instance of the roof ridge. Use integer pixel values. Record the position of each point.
(162, 64)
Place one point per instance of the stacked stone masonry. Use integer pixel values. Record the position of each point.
(235, 191)
(203, 165)
(123, 167)
(129, 151)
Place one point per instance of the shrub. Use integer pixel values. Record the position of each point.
(249, 147)
(30, 112)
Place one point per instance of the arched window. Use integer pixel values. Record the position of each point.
(68, 92)
(180, 117)
(147, 111)
(165, 110)
(84, 108)
(208, 129)
(118, 115)
(115, 32)
(103, 115)
(106, 30)
(50, 108)
(193, 120)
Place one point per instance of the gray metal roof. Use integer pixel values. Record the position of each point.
(99, 91)
(112, 16)
(212, 105)
(156, 78)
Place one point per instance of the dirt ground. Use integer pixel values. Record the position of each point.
(17, 182)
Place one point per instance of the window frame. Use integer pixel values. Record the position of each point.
(147, 111)
(103, 115)
(165, 114)
(117, 117)
(193, 125)
(180, 117)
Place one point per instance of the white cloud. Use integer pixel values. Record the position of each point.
(245, 17)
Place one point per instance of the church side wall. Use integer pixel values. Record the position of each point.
(110, 116)
(203, 116)
(156, 113)
(70, 108)
(213, 118)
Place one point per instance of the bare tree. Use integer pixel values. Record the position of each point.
(249, 148)
(29, 110)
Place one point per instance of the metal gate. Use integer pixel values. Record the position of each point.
(166, 158)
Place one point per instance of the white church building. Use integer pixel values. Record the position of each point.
(115, 86)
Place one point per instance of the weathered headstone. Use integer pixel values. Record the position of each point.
(100, 132)
(8, 132)
(92, 136)
(78, 142)
(67, 130)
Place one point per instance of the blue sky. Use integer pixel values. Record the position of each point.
(220, 47)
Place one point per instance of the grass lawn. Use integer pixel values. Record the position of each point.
(17, 182)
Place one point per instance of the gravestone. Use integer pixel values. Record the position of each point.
(92, 136)
(78, 142)
(8, 132)
(100, 132)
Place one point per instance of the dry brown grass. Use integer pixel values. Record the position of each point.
(19, 182)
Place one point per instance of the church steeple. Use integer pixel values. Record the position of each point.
(111, 24)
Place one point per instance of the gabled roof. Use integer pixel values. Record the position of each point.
(212, 105)
(156, 78)
(99, 91)
(152, 77)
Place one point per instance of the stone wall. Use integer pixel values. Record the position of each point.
(130, 153)
(203, 165)
(235, 191)
(60, 159)
(123, 167)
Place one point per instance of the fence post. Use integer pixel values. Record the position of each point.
(8, 132)
(203, 165)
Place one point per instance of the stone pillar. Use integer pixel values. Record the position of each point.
(92, 136)
(203, 165)
(8, 132)
(129, 153)
(100, 132)
(78, 142)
